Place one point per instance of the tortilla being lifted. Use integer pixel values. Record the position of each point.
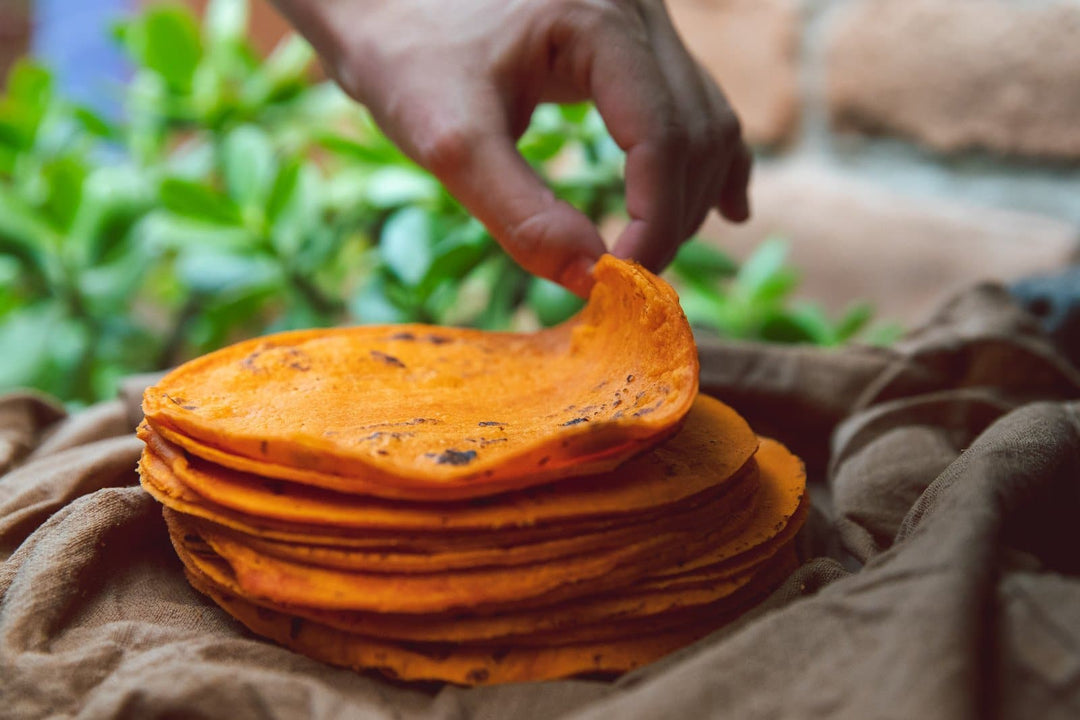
(713, 445)
(425, 413)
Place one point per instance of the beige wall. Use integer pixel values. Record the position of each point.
(906, 147)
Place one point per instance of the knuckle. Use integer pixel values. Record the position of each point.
(702, 137)
(445, 149)
(526, 240)
(673, 136)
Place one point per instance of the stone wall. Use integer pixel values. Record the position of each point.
(906, 148)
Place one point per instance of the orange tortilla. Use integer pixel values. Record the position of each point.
(605, 616)
(463, 665)
(416, 551)
(440, 413)
(660, 561)
(287, 582)
(713, 444)
(735, 507)
(781, 506)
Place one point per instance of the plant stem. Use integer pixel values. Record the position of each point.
(320, 301)
(170, 351)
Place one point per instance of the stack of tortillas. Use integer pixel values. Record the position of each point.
(474, 507)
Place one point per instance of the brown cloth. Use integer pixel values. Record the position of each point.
(943, 579)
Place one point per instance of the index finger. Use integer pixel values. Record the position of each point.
(635, 102)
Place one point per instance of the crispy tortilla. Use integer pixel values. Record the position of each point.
(440, 413)
(288, 582)
(463, 665)
(418, 552)
(713, 444)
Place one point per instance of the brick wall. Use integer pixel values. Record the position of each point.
(907, 148)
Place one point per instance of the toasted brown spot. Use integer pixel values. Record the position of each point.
(451, 456)
(387, 359)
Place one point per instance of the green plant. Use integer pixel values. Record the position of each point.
(236, 196)
(754, 300)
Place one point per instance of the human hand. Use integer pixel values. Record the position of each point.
(454, 84)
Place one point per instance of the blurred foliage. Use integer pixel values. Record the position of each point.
(754, 300)
(238, 197)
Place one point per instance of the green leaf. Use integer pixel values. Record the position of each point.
(110, 288)
(24, 343)
(25, 235)
(198, 202)
(405, 244)
(226, 317)
(539, 148)
(299, 228)
(764, 281)
(298, 315)
(443, 302)
(226, 21)
(575, 113)
(806, 319)
(377, 151)
(507, 289)
(552, 302)
(282, 200)
(94, 124)
(147, 113)
(395, 186)
(705, 307)
(166, 39)
(30, 84)
(701, 261)
(786, 328)
(763, 275)
(163, 233)
(114, 200)
(289, 61)
(65, 177)
(210, 273)
(853, 321)
(456, 255)
(190, 161)
(29, 94)
(372, 306)
(249, 164)
(211, 95)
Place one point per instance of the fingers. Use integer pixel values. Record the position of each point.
(633, 96)
(544, 235)
(709, 152)
(684, 149)
(734, 201)
(454, 88)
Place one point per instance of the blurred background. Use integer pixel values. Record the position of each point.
(177, 176)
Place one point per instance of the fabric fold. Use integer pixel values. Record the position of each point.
(941, 577)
